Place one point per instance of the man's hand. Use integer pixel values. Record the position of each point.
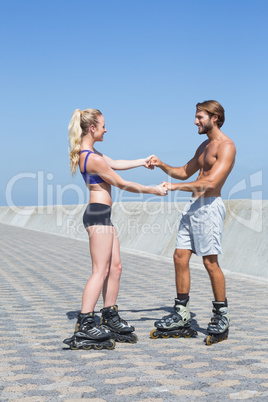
(169, 186)
(154, 161)
(147, 162)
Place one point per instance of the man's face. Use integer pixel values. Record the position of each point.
(203, 122)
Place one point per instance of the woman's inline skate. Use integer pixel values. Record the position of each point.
(176, 324)
(120, 330)
(218, 327)
(88, 336)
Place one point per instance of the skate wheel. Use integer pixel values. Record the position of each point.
(121, 340)
(87, 347)
(112, 346)
(223, 338)
(176, 336)
(98, 347)
(187, 336)
(165, 336)
(208, 340)
(133, 339)
(74, 347)
(153, 334)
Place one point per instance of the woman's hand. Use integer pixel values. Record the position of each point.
(147, 163)
(161, 190)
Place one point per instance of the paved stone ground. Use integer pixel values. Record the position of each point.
(41, 281)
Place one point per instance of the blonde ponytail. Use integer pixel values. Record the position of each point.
(78, 127)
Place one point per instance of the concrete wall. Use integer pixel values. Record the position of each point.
(151, 227)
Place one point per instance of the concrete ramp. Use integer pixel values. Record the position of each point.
(151, 227)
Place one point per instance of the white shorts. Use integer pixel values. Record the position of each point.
(201, 226)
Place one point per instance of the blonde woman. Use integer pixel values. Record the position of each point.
(87, 127)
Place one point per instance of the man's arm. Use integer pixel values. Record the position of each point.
(215, 177)
(180, 173)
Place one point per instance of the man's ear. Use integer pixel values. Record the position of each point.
(215, 118)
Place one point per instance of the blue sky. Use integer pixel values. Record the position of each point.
(145, 64)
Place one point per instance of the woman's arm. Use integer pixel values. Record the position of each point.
(98, 165)
(127, 164)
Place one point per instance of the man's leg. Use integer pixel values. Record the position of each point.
(178, 323)
(216, 277)
(182, 271)
(218, 327)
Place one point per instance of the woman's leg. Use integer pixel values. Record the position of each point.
(110, 319)
(101, 240)
(112, 281)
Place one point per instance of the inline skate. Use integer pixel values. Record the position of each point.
(218, 327)
(88, 336)
(176, 324)
(120, 330)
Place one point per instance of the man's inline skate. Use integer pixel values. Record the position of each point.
(218, 327)
(176, 324)
(88, 336)
(120, 330)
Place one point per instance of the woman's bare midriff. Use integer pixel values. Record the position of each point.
(100, 193)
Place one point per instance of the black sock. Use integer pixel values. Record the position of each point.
(182, 296)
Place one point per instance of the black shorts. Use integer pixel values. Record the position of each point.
(97, 214)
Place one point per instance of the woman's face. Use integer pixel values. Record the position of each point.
(99, 129)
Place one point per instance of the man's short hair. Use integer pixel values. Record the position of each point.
(212, 108)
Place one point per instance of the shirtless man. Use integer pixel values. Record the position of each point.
(201, 226)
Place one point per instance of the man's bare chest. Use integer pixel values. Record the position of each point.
(207, 158)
